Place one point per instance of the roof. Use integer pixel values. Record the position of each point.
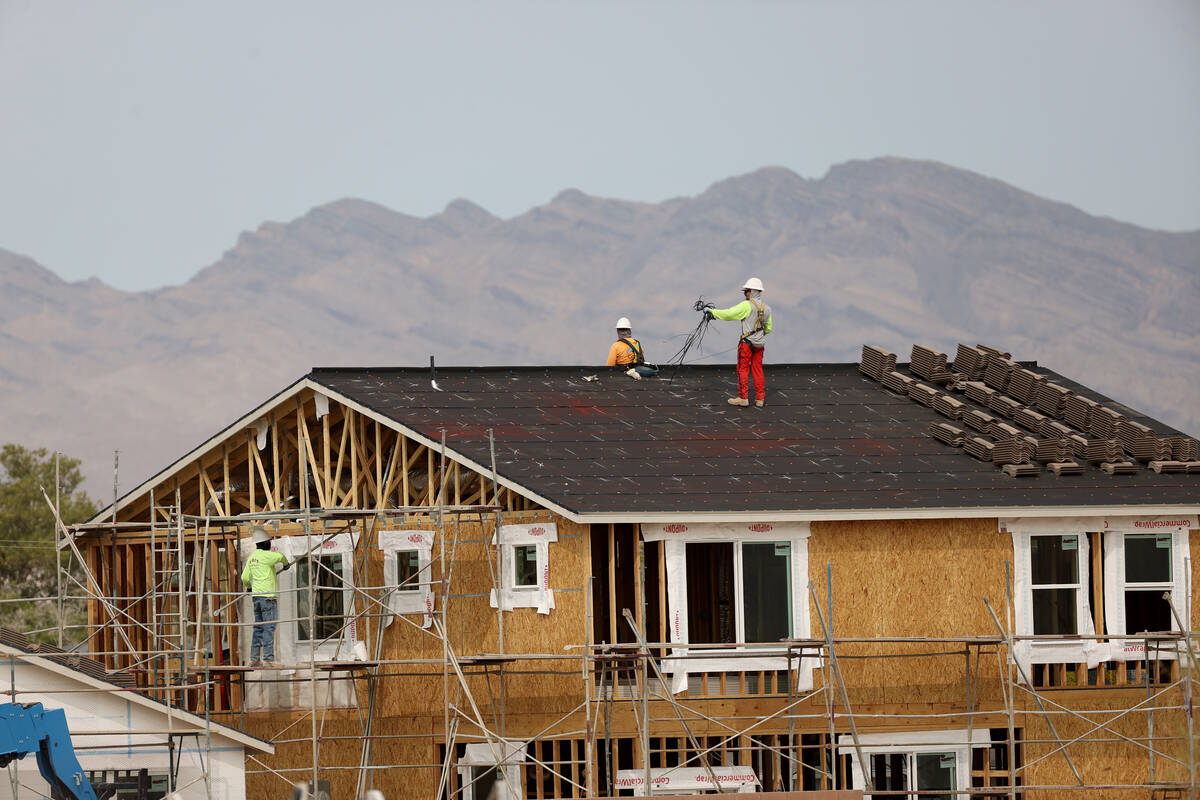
(91, 673)
(830, 441)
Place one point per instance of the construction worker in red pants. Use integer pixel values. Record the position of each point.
(755, 316)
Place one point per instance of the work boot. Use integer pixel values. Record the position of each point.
(255, 664)
(738, 401)
(760, 403)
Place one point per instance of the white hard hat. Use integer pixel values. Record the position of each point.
(259, 534)
(623, 322)
(753, 283)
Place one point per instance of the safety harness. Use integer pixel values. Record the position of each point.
(760, 323)
(636, 347)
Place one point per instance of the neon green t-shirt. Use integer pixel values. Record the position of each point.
(260, 572)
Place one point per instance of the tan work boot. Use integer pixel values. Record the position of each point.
(738, 401)
(760, 403)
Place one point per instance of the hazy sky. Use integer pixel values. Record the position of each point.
(137, 139)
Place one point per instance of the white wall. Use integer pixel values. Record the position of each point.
(89, 709)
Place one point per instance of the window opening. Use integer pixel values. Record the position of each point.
(766, 579)
(525, 571)
(328, 595)
(408, 570)
(710, 592)
(1055, 578)
(1147, 577)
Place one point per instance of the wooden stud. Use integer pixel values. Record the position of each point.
(275, 462)
(612, 584)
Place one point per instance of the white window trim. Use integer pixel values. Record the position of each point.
(507, 539)
(507, 756)
(340, 649)
(1088, 651)
(1114, 584)
(914, 743)
(1051, 651)
(413, 599)
(676, 537)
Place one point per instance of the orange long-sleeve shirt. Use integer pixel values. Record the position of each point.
(621, 353)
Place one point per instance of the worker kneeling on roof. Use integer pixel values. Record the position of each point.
(755, 316)
(627, 351)
(259, 574)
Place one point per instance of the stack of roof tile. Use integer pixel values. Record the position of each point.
(1079, 445)
(948, 406)
(922, 393)
(929, 364)
(1020, 470)
(1077, 411)
(1184, 448)
(1003, 405)
(1061, 468)
(970, 361)
(978, 447)
(1104, 421)
(947, 433)
(896, 381)
(1054, 450)
(974, 418)
(1150, 448)
(993, 351)
(1051, 398)
(1012, 451)
(1052, 429)
(1028, 419)
(1023, 385)
(1001, 431)
(979, 392)
(876, 362)
(1119, 467)
(1101, 450)
(1129, 432)
(998, 372)
(1168, 466)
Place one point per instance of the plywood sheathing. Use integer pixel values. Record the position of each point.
(947, 566)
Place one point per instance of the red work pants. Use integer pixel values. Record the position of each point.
(750, 358)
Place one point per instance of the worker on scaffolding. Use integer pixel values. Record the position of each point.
(627, 351)
(755, 316)
(259, 574)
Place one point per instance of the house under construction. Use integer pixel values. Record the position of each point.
(939, 579)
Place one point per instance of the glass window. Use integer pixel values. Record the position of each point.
(936, 771)
(408, 571)
(1055, 576)
(767, 591)
(1147, 577)
(328, 594)
(525, 572)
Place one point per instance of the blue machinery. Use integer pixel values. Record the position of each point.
(43, 732)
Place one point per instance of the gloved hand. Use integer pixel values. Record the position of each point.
(633, 373)
(708, 314)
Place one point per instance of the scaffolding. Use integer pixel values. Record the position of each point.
(177, 632)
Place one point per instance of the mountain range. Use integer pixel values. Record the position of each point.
(887, 251)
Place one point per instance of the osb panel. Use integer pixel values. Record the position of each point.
(1113, 762)
(927, 578)
(473, 628)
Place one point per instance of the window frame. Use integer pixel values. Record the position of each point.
(483, 755)
(1115, 585)
(340, 648)
(301, 592)
(419, 599)
(911, 744)
(511, 596)
(1051, 651)
(676, 537)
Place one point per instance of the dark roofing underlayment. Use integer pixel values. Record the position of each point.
(828, 439)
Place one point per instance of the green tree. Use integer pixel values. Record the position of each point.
(28, 560)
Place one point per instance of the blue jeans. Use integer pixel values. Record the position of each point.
(266, 611)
